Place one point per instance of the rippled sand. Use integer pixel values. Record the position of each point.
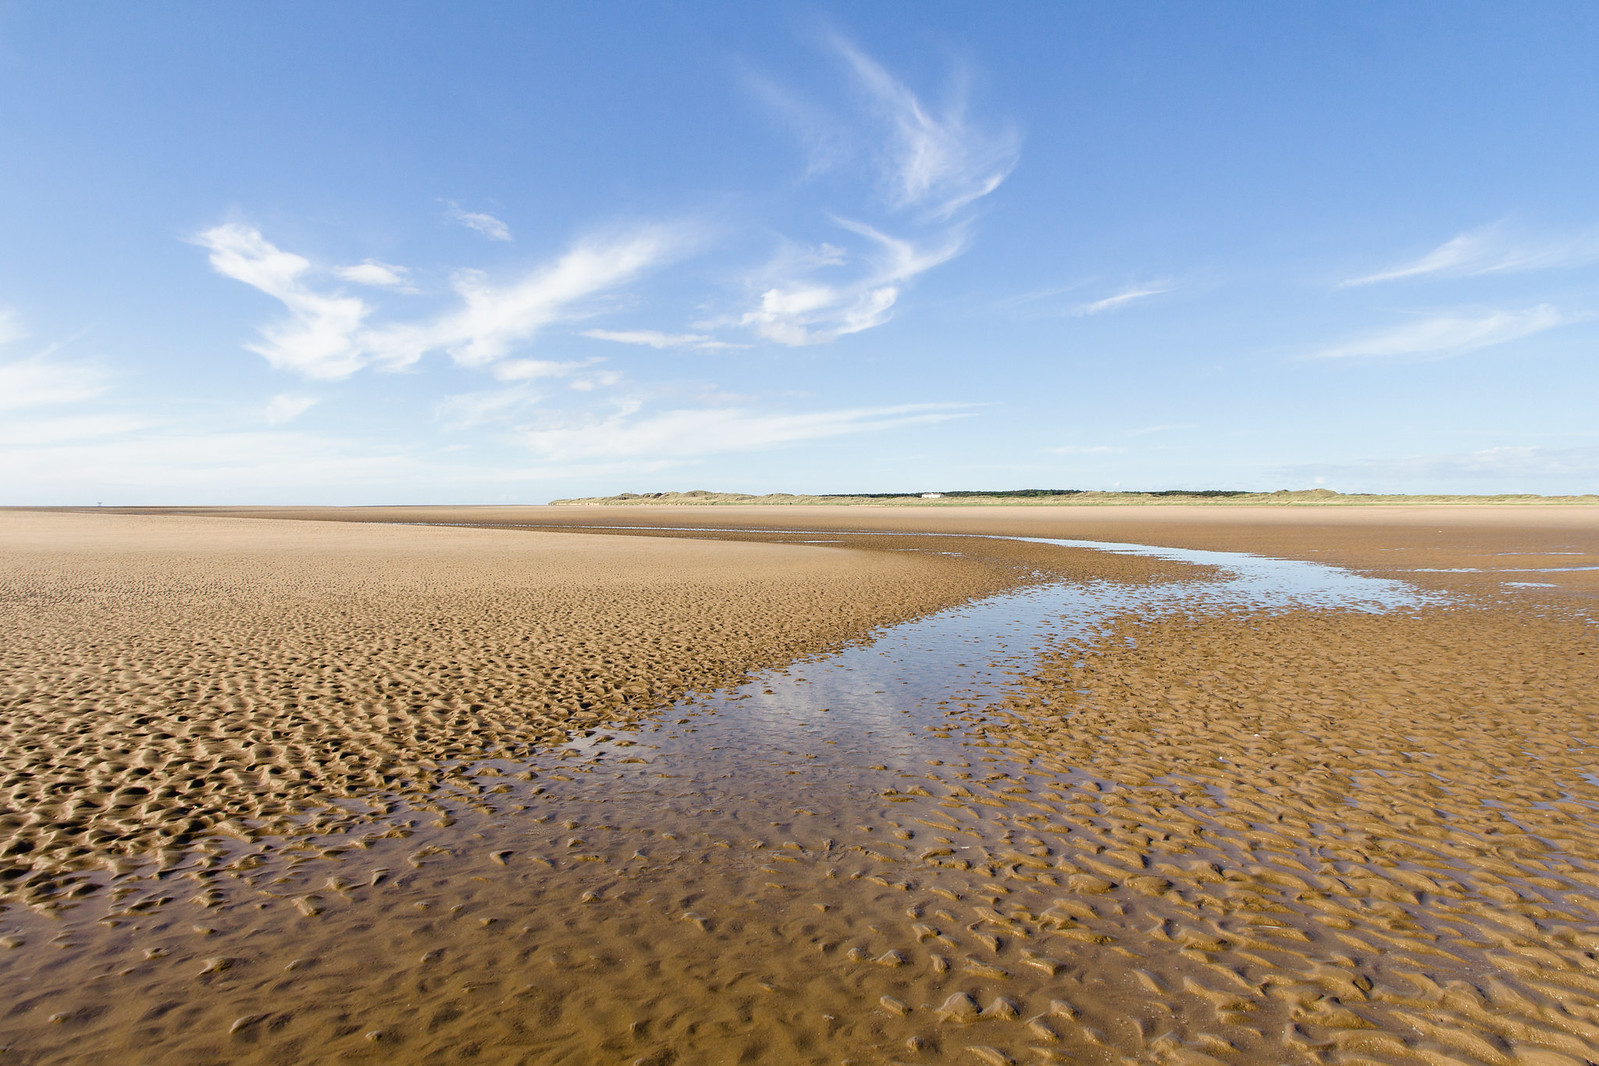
(1235, 835)
(164, 678)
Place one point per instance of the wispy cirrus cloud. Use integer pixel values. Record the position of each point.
(128, 460)
(805, 311)
(10, 325)
(1490, 250)
(319, 337)
(467, 410)
(287, 406)
(529, 369)
(626, 433)
(1439, 336)
(493, 319)
(41, 382)
(935, 161)
(477, 221)
(653, 338)
(1165, 427)
(372, 272)
(1086, 449)
(1514, 468)
(326, 335)
(1118, 300)
(930, 164)
(52, 429)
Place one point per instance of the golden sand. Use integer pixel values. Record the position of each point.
(1245, 837)
(166, 677)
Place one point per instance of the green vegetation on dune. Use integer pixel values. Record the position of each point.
(1069, 497)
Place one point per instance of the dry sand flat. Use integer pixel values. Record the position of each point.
(1210, 835)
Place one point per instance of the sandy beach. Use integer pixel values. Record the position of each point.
(334, 788)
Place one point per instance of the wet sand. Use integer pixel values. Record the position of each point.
(1195, 832)
(169, 677)
(1413, 541)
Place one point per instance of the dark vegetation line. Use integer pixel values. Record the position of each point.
(959, 493)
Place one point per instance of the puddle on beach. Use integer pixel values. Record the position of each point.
(832, 862)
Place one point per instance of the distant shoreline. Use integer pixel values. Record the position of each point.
(1067, 498)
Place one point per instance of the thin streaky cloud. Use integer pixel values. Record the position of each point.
(41, 382)
(477, 221)
(824, 138)
(1441, 336)
(1171, 427)
(599, 379)
(1452, 255)
(286, 407)
(933, 164)
(37, 431)
(470, 409)
(937, 162)
(1085, 449)
(803, 311)
(10, 325)
(326, 335)
(680, 433)
(1512, 462)
(1490, 250)
(528, 369)
(494, 319)
(654, 338)
(372, 272)
(1119, 300)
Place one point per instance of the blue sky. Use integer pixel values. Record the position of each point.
(445, 253)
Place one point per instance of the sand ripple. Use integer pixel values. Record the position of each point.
(1234, 836)
(165, 678)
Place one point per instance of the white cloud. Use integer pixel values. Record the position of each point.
(166, 465)
(932, 163)
(488, 225)
(286, 407)
(825, 138)
(656, 339)
(600, 379)
(707, 431)
(68, 429)
(318, 340)
(938, 162)
(494, 319)
(372, 272)
(1490, 250)
(326, 336)
(10, 326)
(468, 409)
(528, 369)
(76, 461)
(1168, 427)
(1512, 468)
(1444, 335)
(38, 382)
(1085, 449)
(803, 311)
(1121, 299)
